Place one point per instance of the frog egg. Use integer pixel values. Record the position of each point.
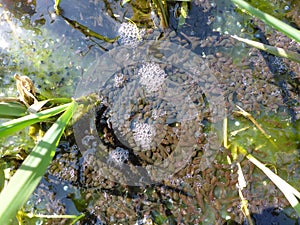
(118, 156)
(151, 76)
(119, 80)
(130, 34)
(143, 135)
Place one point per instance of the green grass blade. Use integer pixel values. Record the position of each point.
(28, 176)
(87, 31)
(12, 110)
(15, 125)
(270, 20)
(56, 4)
(270, 49)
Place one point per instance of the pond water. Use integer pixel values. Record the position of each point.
(151, 152)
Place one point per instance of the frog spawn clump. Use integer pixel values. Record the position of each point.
(151, 76)
(119, 80)
(118, 157)
(143, 135)
(130, 34)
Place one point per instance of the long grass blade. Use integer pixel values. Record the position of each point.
(270, 20)
(87, 31)
(56, 6)
(12, 110)
(15, 125)
(28, 176)
(270, 49)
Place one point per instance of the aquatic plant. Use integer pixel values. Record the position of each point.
(56, 6)
(78, 26)
(270, 20)
(158, 13)
(86, 30)
(279, 25)
(151, 76)
(291, 194)
(22, 184)
(161, 7)
(271, 49)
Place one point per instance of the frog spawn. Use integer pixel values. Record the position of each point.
(145, 116)
(118, 156)
(130, 34)
(143, 135)
(178, 110)
(151, 76)
(137, 111)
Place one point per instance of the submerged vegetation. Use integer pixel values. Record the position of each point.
(278, 25)
(261, 139)
(24, 181)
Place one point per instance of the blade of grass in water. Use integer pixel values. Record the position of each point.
(183, 14)
(291, 194)
(28, 176)
(87, 31)
(15, 125)
(56, 6)
(270, 49)
(270, 20)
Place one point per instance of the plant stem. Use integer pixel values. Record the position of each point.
(270, 20)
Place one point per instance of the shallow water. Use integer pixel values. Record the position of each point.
(180, 173)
